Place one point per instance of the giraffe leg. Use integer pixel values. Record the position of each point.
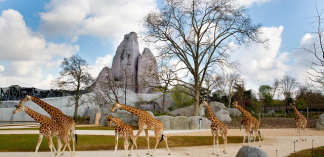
(254, 136)
(214, 141)
(59, 145)
(225, 142)
(67, 143)
(148, 142)
(63, 149)
(134, 144)
(116, 144)
(244, 138)
(166, 143)
(50, 144)
(157, 139)
(72, 133)
(259, 133)
(126, 145)
(38, 144)
(217, 143)
(305, 133)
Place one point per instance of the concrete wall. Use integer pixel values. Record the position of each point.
(62, 103)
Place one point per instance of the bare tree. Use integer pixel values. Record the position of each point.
(226, 83)
(287, 86)
(74, 77)
(210, 82)
(317, 50)
(198, 33)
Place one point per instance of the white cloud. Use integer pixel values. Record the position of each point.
(109, 20)
(250, 2)
(101, 62)
(27, 52)
(260, 65)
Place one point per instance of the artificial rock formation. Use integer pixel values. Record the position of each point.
(130, 68)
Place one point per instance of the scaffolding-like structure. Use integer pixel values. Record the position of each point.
(15, 92)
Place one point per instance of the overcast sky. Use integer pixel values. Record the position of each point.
(36, 35)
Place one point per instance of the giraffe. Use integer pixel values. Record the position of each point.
(146, 122)
(251, 125)
(49, 129)
(122, 130)
(217, 127)
(301, 122)
(56, 115)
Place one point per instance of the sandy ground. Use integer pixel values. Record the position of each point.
(274, 139)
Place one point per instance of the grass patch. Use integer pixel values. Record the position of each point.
(27, 143)
(318, 152)
(77, 128)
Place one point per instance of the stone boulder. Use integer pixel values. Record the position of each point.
(180, 123)
(251, 151)
(125, 116)
(223, 116)
(194, 123)
(166, 120)
(217, 106)
(320, 122)
(272, 113)
(187, 111)
(234, 112)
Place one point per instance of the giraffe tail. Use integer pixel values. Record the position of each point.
(131, 141)
(259, 134)
(161, 138)
(76, 138)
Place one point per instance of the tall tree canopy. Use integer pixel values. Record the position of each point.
(198, 33)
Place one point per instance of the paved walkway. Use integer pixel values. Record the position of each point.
(274, 139)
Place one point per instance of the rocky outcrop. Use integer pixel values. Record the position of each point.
(251, 151)
(124, 64)
(187, 111)
(147, 72)
(320, 122)
(221, 111)
(184, 123)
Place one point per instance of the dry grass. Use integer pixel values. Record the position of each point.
(27, 143)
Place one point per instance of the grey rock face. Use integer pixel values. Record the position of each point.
(180, 123)
(320, 122)
(187, 111)
(272, 113)
(220, 111)
(147, 72)
(125, 116)
(166, 121)
(125, 61)
(194, 123)
(234, 112)
(251, 151)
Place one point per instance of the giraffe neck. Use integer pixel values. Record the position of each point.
(35, 115)
(296, 111)
(47, 107)
(132, 110)
(117, 121)
(244, 112)
(211, 114)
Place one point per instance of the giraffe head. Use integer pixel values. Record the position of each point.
(115, 107)
(26, 98)
(109, 120)
(235, 104)
(19, 108)
(203, 104)
(293, 104)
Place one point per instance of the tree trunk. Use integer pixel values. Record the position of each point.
(229, 102)
(196, 103)
(76, 106)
